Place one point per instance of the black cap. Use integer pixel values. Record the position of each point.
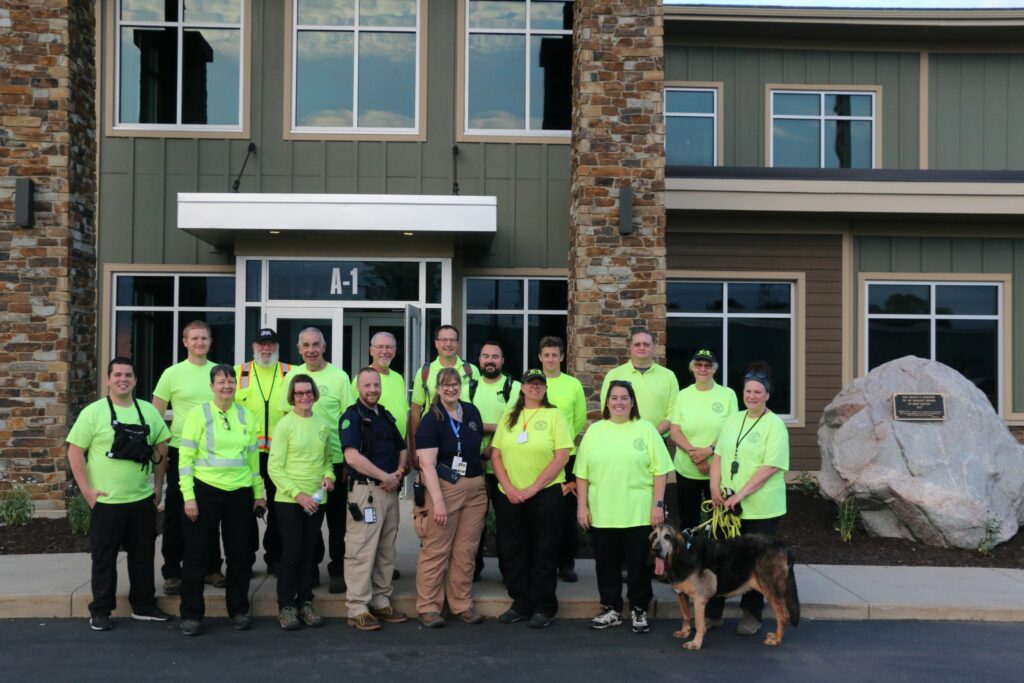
(704, 354)
(534, 375)
(265, 335)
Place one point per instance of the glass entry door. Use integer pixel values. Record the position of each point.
(288, 322)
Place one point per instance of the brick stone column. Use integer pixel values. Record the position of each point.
(617, 282)
(47, 271)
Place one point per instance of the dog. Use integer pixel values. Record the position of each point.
(701, 568)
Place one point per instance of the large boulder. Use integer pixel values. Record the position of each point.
(939, 483)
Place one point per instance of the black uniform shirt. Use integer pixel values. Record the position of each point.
(438, 433)
(374, 434)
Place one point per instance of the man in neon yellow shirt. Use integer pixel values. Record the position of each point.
(446, 341)
(335, 396)
(394, 395)
(566, 393)
(495, 392)
(260, 388)
(655, 385)
(118, 491)
(182, 387)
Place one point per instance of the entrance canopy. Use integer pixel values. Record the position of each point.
(221, 219)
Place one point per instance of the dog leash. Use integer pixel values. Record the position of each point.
(720, 520)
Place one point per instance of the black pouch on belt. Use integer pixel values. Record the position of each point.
(419, 493)
(447, 473)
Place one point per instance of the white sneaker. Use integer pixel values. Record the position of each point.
(640, 624)
(607, 617)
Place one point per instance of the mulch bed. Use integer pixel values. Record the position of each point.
(808, 528)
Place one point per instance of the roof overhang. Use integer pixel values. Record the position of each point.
(222, 219)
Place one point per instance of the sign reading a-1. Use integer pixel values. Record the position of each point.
(301, 280)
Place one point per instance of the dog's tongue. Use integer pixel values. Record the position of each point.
(659, 566)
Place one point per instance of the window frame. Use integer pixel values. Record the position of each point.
(293, 132)
(717, 118)
(466, 134)
(112, 90)
(875, 91)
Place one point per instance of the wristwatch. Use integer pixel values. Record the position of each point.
(660, 504)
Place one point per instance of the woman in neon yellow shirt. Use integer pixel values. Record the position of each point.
(748, 477)
(529, 451)
(620, 487)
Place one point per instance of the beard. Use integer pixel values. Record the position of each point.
(269, 363)
(490, 371)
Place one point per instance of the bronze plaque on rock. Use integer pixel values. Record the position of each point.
(919, 407)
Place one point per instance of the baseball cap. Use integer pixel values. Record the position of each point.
(704, 354)
(534, 375)
(265, 335)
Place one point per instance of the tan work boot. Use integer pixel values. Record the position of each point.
(389, 615)
(748, 626)
(432, 620)
(364, 621)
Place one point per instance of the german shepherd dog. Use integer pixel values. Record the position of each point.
(702, 568)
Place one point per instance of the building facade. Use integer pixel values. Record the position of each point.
(824, 190)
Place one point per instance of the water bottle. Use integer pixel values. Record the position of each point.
(318, 497)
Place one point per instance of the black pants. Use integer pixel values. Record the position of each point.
(335, 512)
(752, 601)
(570, 536)
(618, 548)
(133, 526)
(226, 514)
(299, 534)
(690, 493)
(173, 547)
(528, 539)
(271, 536)
(492, 491)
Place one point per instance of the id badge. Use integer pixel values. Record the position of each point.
(369, 515)
(523, 436)
(459, 465)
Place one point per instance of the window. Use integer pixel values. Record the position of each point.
(151, 310)
(516, 313)
(823, 129)
(518, 67)
(691, 128)
(744, 322)
(355, 66)
(179, 65)
(955, 323)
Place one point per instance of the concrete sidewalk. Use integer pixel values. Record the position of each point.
(47, 586)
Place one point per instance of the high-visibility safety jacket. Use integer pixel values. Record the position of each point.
(219, 448)
(262, 390)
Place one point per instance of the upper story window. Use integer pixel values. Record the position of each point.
(179, 65)
(823, 129)
(355, 66)
(691, 126)
(518, 67)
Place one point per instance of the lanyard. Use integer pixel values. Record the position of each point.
(739, 439)
(266, 399)
(456, 430)
(526, 421)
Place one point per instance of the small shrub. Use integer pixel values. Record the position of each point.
(847, 518)
(17, 507)
(79, 514)
(806, 484)
(991, 537)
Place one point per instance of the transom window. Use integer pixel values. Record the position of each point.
(179, 65)
(955, 323)
(691, 126)
(518, 67)
(744, 322)
(823, 129)
(355, 66)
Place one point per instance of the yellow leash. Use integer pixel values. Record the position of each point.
(720, 520)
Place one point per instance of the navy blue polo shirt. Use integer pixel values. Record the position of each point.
(386, 443)
(439, 434)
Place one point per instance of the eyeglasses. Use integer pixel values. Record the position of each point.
(224, 420)
(297, 394)
(447, 340)
(451, 386)
(384, 347)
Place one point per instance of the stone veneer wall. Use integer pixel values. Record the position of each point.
(616, 282)
(48, 271)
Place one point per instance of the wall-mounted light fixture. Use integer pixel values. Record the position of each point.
(625, 210)
(24, 188)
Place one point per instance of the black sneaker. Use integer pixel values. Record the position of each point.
(152, 614)
(190, 627)
(568, 574)
(510, 616)
(540, 620)
(172, 586)
(640, 624)
(100, 622)
(241, 622)
(337, 585)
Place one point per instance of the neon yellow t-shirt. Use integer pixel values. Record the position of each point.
(421, 397)
(490, 401)
(300, 456)
(620, 462)
(262, 384)
(335, 396)
(546, 432)
(393, 396)
(700, 415)
(184, 385)
(124, 481)
(566, 393)
(219, 449)
(656, 390)
(767, 443)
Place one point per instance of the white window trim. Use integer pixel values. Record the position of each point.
(527, 33)
(356, 29)
(794, 415)
(180, 25)
(933, 317)
(714, 116)
(822, 118)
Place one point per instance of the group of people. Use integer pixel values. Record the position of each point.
(304, 443)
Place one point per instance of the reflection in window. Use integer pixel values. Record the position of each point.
(822, 129)
(690, 126)
(519, 70)
(172, 71)
(356, 73)
(957, 324)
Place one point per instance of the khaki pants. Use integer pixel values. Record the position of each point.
(450, 549)
(370, 549)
